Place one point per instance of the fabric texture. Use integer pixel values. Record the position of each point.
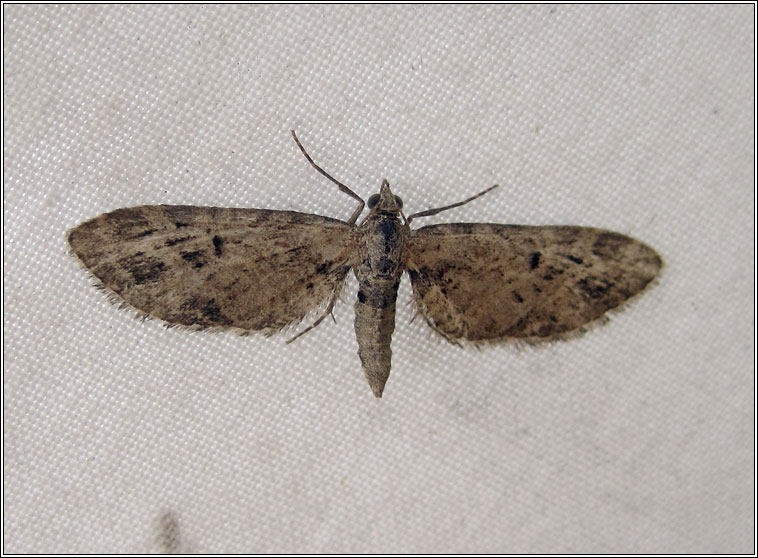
(122, 436)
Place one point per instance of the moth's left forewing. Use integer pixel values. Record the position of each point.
(485, 282)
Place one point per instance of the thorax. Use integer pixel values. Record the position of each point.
(383, 247)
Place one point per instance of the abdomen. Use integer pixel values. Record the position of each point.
(374, 324)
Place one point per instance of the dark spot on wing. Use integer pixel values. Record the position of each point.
(192, 256)
(607, 244)
(534, 260)
(218, 246)
(142, 269)
(202, 310)
(195, 258)
(295, 250)
(593, 287)
(175, 241)
(518, 328)
(434, 274)
(212, 313)
(573, 259)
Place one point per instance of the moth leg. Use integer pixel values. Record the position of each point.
(415, 315)
(342, 187)
(430, 212)
(328, 311)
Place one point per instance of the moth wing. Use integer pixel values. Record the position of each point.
(252, 269)
(484, 282)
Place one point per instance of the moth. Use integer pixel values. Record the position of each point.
(260, 270)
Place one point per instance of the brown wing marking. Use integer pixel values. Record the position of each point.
(252, 269)
(484, 282)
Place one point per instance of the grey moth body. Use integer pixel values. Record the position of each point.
(382, 258)
(262, 270)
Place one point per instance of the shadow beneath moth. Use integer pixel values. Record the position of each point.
(260, 270)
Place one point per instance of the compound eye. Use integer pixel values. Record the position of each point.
(399, 202)
(373, 200)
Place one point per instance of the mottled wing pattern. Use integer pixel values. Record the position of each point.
(252, 269)
(484, 282)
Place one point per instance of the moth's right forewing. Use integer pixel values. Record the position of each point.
(252, 269)
(484, 282)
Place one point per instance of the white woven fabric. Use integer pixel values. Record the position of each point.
(124, 436)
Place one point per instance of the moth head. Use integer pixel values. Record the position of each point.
(385, 200)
